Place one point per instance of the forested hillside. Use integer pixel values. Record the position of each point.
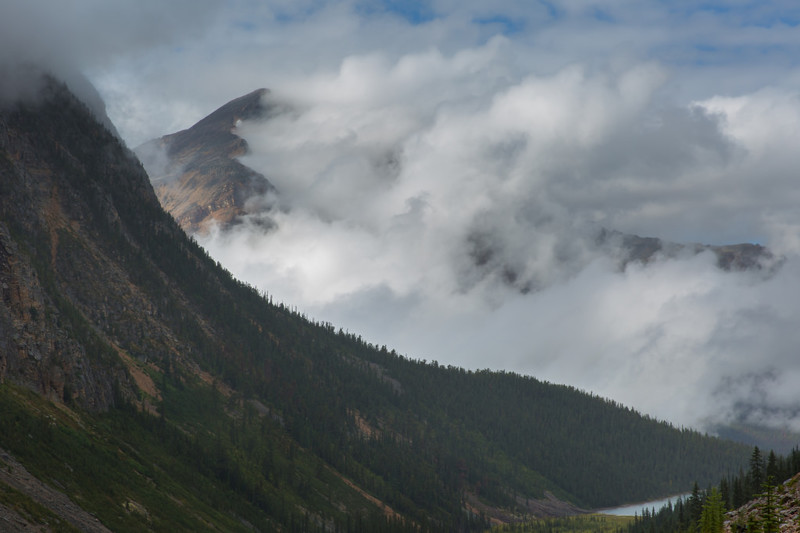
(168, 395)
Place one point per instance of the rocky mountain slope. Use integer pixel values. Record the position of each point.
(781, 505)
(195, 172)
(156, 392)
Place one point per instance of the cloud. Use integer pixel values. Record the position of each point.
(94, 32)
(677, 339)
(446, 168)
(73, 38)
(447, 207)
(201, 55)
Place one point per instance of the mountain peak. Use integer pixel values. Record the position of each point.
(249, 106)
(195, 171)
(214, 131)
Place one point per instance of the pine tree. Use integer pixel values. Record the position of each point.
(769, 510)
(713, 510)
(725, 492)
(739, 497)
(772, 466)
(695, 506)
(756, 471)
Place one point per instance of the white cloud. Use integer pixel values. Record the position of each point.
(423, 192)
(435, 168)
(92, 33)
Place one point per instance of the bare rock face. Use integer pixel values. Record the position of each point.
(37, 344)
(195, 172)
(83, 306)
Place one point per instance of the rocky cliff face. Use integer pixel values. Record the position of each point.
(79, 314)
(195, 171)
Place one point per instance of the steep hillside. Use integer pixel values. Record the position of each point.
(157, 392)
(195, 172)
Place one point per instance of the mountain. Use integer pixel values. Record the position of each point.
(142, 387)
(633, 248)
(195, 172)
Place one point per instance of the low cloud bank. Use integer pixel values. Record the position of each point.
(440, 206)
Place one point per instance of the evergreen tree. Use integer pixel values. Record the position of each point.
(739, 497)
(683, 522)
(713, 510)
(756, 471)
(769, 510)
(695, 506)
(772, 466)
(752, 523)
(725, 492)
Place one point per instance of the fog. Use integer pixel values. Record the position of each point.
(452, 215)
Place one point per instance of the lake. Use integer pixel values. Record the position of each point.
(638, 508)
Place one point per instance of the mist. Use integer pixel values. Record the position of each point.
(450, 212)
(76, 40)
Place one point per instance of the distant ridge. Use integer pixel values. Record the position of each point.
(736, 257)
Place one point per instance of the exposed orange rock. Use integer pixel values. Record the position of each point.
(195, 173)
